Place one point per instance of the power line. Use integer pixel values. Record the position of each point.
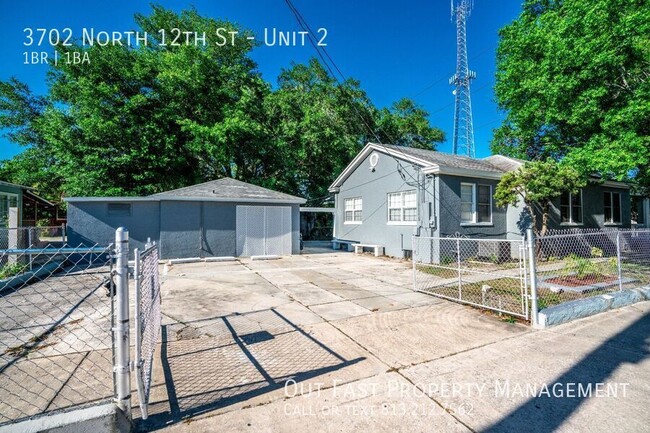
(305, 27)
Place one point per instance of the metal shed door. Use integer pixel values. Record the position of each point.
(263, 230)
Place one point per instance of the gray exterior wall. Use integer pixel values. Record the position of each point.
(449, 206)
(438, 207)
(593, 209)
(182, 229)
(90, 224)
(373, 188)
(208, 229)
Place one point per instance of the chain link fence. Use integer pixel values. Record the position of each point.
(575, 264)
(568, 265)
(148, 320)
(32, 237)
(65, 326)
(55, 329)
(487, 273)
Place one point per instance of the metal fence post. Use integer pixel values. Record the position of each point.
(413, 255)
(533, 276)
(618, 261)
(29, 245)
(460, 279)
(121, 330)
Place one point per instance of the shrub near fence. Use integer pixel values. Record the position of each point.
(578, 264)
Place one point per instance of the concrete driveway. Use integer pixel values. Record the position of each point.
(338, 342)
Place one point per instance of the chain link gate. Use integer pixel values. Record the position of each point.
(148, 320)
(486, 273)
(55, 320)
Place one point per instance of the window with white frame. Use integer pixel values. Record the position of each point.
(571, 208)
(475, 203)
(353, 209)
(402, 207)
(7, 201)
(612, 205)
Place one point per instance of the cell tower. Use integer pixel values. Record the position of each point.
(463, 125)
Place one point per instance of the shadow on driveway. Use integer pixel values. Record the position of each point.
(234, 358)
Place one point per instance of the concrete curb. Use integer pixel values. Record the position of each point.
(269, 257)
(106, 418)
(198, 260)
(568, 311)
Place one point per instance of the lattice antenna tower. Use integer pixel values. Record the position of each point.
(463, 143)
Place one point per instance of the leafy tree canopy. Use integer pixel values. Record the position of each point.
(140, 120)
(537, 184)
(574, 79)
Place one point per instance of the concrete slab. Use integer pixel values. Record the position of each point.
(380, 304)
(309, 294)
(502, 382)
(339, 310)
(211, 376)
(352, 293)
(415, 299)
(415, 335)
(381, 404)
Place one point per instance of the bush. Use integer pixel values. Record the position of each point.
(11, 269)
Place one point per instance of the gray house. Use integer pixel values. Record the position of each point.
(225, 217)
(388, 193)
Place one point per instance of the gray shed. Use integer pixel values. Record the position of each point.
(224, 217)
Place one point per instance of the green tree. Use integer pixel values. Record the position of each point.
(574, 80)
(317, 126)
(537, 184)
(140, 120)
(406, 124)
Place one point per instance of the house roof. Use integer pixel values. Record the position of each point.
(221, 190)
(15, 185)
(505, 163)
(443, 159)
(435, 162)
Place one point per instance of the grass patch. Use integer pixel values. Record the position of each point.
(12, 269)
(437, 271)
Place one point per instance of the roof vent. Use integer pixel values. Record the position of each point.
(373, 160)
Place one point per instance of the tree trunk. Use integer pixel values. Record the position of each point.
(545, 207)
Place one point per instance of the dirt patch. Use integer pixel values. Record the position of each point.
(585, 280)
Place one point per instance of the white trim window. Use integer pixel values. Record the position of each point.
(612, 207)
(475, 203)
(353, 210)
(402, 208)
(7, 201)
(571, 208)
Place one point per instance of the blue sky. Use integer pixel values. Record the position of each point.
(395, 48)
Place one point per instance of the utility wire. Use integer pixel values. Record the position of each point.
(305, 27)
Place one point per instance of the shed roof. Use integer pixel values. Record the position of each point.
(224, 190)
(227, 188)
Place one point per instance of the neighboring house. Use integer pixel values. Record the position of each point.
(640, 210)
(224, 217)
(30, 208)
(11, 197)
(388, 193)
